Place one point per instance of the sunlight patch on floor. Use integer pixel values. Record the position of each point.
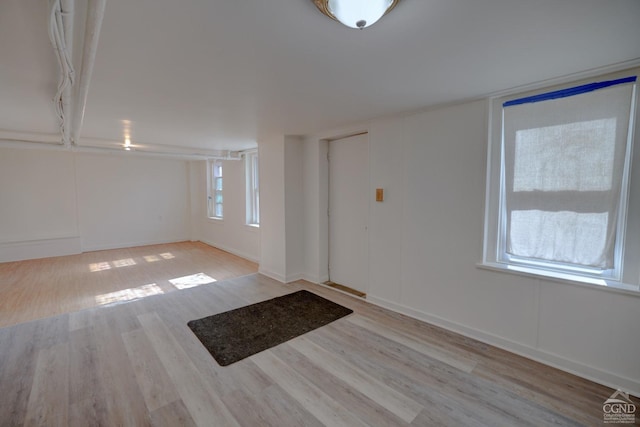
(99, 266)
(124, 262)
(127, 262)
(192, 281)
(130, 294)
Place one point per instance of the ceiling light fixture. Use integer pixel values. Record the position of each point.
(356, 13)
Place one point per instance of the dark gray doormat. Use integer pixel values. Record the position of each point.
(233, 335)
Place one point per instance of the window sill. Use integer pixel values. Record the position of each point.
(602, 284)
(215, 220)
(253, 226)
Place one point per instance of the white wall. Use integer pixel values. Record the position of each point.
(38, 211)
(294, 208)
(273, 256)
(425, 240)
(56, 202)
(282, 208)
(230, 233)
(126, 201)
(59, 202)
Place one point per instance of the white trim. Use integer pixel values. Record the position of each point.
(252, 194)
(275, 276)
(592, 283)
(39, 239)
(133, 244)
(342, 132)
(568, 78)
(243, 153)
(309, 278)
(33, 140)
(294, 277)
(488, 179)
(40, 248)
(212, 191)
(232, 251)
(369, 207)
(550, 359)
(20, 137)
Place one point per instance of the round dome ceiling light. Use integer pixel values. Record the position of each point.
(356, 13)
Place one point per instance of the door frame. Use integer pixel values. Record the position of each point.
(327, 150)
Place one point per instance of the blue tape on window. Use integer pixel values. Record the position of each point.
(569, 92)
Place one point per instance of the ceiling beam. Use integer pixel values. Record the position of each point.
(93, 24)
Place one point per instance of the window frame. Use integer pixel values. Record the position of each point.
(494, 254)
(215, 175)
(252, 188)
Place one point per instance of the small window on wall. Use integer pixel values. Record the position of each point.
(253, 188)
(215, 199)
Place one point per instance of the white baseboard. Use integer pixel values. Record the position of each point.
(556, 361)
(92, 248)
(294, 277)
(275, 276)
(310, 278)
(40, 248)
(231, 251)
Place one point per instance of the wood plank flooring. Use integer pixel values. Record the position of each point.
(136, 363)
(40, 288)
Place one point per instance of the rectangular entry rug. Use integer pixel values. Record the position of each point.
(233, 335)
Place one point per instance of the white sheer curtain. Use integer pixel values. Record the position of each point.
(563, 169)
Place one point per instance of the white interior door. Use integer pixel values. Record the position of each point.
(349, 211)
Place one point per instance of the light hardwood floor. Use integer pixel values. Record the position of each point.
(137, 363)
(40, 288)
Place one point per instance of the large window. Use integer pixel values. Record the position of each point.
(253, 188)
(559, 179)
(214, 199)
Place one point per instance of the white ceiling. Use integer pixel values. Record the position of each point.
(219, 74)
